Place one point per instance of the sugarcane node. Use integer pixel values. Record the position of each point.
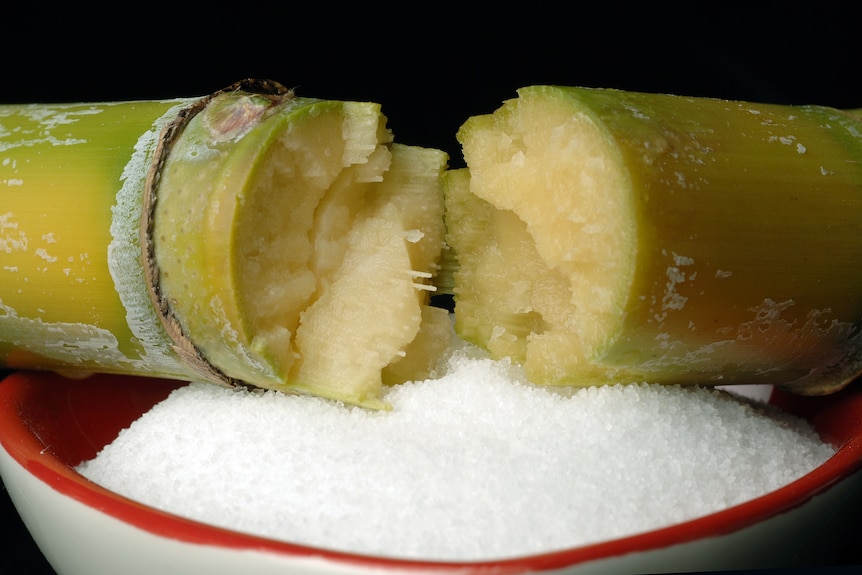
(191, 355)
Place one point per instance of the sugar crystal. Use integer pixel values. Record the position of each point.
(474, 464)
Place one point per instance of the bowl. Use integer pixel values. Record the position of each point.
(49, 424)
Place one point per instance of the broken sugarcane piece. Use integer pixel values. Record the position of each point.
(220, 238)
(606, 236)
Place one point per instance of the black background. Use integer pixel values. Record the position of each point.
(430, 65)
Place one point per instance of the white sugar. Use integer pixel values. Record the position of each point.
(472, 465)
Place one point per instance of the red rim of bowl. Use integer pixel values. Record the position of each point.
(49, 424)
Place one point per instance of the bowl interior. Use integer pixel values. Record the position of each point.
(50, 424)
(76, 419)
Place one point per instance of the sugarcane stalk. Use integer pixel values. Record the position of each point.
(606, 236)
(188, 238)
(71, 177)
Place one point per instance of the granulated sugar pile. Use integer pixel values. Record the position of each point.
(472, 465)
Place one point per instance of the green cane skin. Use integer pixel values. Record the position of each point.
(69, 174)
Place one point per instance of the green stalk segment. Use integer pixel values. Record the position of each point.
(607, 236)
(72, 289)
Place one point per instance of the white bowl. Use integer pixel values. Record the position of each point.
(49, 424)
